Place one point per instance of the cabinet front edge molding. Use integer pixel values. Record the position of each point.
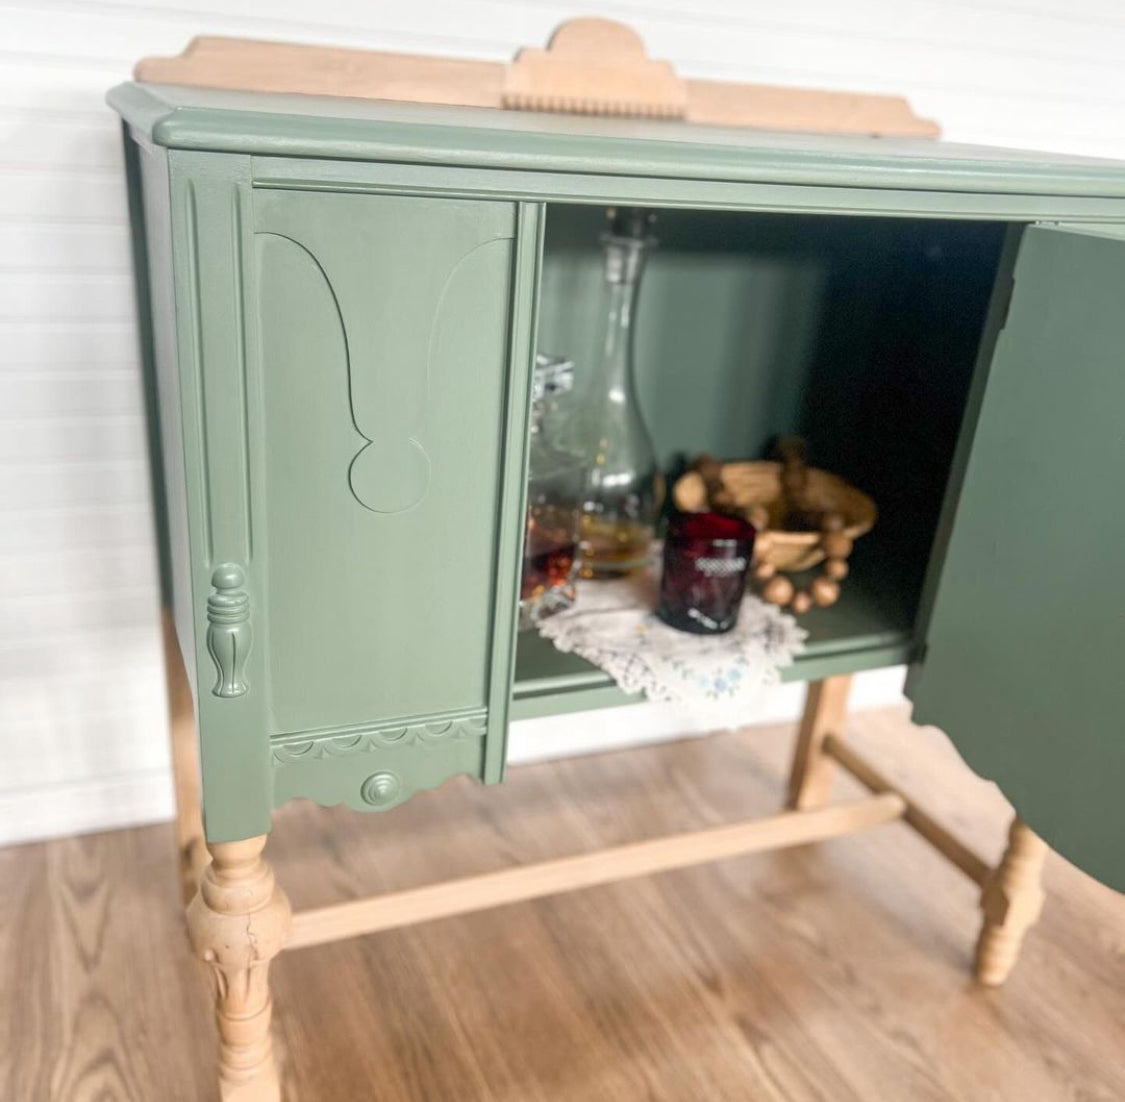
(516, 184)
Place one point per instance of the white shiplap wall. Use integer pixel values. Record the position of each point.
(81, 698)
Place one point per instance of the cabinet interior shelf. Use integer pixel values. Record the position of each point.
(860, 334)
(869, 628)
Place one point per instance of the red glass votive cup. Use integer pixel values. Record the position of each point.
(706, 559)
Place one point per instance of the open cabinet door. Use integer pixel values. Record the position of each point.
(1024, 657)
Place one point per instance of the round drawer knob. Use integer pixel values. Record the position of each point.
(380, 789)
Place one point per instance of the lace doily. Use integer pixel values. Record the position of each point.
(719, 677)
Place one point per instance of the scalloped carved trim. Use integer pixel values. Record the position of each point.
(340, 742)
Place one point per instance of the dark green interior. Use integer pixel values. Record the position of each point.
(859, 333)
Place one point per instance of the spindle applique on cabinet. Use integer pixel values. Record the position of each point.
(341, 303)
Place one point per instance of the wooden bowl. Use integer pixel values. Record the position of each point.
(754, 484)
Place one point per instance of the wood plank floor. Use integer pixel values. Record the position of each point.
(834, 972)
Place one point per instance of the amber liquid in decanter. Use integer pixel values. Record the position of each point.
(612, 548)
(556, 484)
(549, 552)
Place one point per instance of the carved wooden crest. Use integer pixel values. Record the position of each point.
(590, 66)
(594, 67)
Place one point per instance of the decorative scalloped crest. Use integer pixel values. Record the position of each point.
(362, 740)
(228, 629)
(594, 67)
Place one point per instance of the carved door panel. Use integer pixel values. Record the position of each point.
(393, 402)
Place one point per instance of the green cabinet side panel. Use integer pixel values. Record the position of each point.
(146, 333)
(1026, 637)
(219, 605)
(151, 215)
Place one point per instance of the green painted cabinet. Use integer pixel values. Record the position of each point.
(343, 302)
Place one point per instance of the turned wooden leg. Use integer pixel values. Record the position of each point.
(185, 763)
(238, 922)
(1011, 900)
(826, 706)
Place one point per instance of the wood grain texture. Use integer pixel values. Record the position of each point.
(936, 833)
(837, 971)
(101, 998)
(587, 870)
(1012, 901)
(590, 66)
(182, 734)
(238, 922)
(594, 67)
(826, 707)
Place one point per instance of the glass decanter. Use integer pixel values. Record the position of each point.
(626, 486)
(556, 485)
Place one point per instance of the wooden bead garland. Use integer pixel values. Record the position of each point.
(797, 512)
(836, 545)
(779, 590)
(825, 591)
(825, 588)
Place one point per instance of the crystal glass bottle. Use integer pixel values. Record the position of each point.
(556, 484)
(626, 486)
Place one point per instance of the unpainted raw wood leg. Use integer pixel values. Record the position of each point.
(1011, 900)
(238, 922)
(826, 706)
(185, 763)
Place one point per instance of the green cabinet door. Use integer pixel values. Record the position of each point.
(1025, 643)
(394, 335)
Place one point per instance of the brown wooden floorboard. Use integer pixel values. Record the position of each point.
(833, 972)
